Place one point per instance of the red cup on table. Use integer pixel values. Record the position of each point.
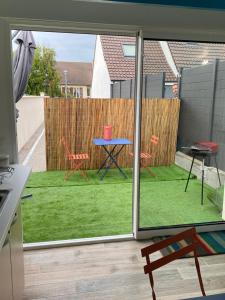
(107, 133)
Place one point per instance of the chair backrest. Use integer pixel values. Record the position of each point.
(66, 147)
(154, 139)
(194, 243)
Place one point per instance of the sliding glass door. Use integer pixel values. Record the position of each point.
(165, 132)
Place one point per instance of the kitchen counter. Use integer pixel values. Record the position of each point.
(15, 184)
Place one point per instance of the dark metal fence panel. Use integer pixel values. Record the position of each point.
(126, 89)
(196, 104)
(132, 88)
(116, 89)
(168, 92)
(153, 87)
(218, 129)
(144, 87)
(202, 114)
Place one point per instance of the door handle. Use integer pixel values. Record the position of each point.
(6, 240)
(14, 219)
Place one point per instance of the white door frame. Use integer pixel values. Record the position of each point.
(137, 133)
(8, 138)
(67, 27)
(6, 89)
(144, 233)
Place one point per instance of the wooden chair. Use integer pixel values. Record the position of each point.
(75, 160)
(194, 243)
(145, 157)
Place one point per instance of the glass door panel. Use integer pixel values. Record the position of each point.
(180, 107)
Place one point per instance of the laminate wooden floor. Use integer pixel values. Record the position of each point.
(114, 271)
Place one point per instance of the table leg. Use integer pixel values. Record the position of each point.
(107, 158)
(202, 194)
(105, 172)
(113, 160)
(218, 174)
(189, 175)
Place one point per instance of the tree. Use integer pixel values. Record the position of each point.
(44, 77)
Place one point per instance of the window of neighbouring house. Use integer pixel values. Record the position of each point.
(128, 50)
(88, 92)
(75, 92)
(78, 92)
(193, 44)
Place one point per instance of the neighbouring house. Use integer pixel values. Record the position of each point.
(77, 76)
(114, 60)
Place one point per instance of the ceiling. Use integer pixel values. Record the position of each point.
(156, 21)
(209, 4)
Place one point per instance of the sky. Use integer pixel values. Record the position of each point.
(68, 46)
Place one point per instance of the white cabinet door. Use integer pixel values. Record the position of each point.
(5, 272)
(16, 245)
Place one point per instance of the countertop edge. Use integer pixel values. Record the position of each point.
(16, 185)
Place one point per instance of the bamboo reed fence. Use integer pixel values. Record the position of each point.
(82, 120)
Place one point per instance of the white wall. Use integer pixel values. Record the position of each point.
(169, 57)
(100, 80)
(31, 117)
(84, 87)
(8, 143)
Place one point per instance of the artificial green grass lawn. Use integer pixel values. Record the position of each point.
(56, 178)
(78, 208)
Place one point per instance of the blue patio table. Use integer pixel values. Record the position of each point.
(111, 155)
(211, 297)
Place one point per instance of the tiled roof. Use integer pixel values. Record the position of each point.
(119, 67)
(184, 55)
(122, 68)
(191, 54)
(78, 73)
(155, 61)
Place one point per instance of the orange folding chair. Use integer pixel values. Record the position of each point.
(75, 160)
(145, 157)
(194, 242)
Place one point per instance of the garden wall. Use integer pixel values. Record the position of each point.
(31, 117)
(202, 115)
(82, 120)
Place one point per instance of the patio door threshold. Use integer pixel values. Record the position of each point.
(77, 242)
(149, 233)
